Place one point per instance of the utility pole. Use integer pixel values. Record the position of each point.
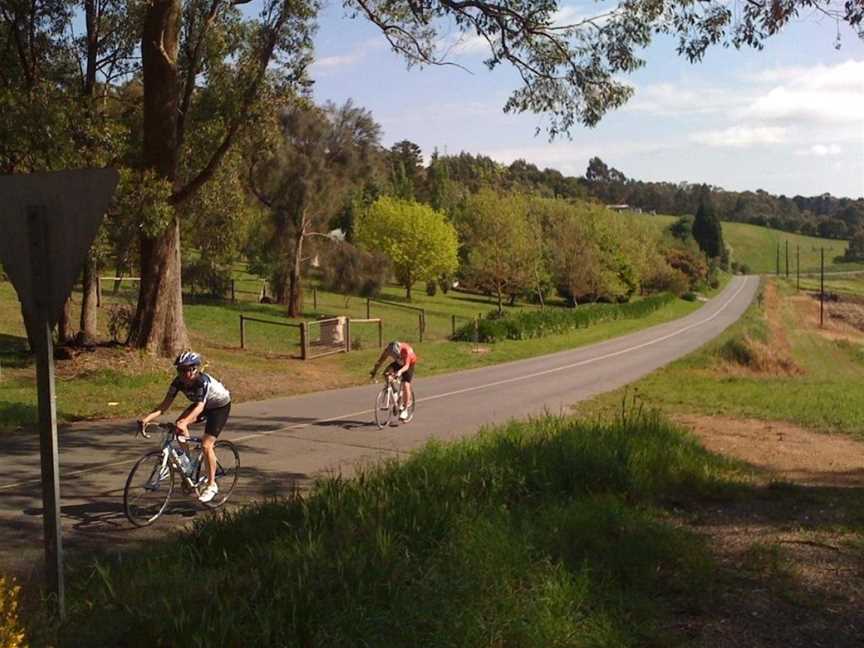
(787, 259)
(822, 288)
(798, 267)
(777, 273)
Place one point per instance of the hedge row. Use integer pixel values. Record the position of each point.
(535, 324)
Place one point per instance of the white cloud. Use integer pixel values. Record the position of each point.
(740, 136)
(678, 99)
(819, 95)
(820, 150)
(330, 64)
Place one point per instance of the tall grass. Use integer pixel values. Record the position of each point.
(542, 533)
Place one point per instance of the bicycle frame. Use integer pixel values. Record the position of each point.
(171, 454)
(394, 390)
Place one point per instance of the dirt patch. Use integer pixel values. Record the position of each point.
(783, 451)
(790, 553)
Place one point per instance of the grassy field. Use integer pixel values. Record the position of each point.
(114, 381)
(756, 247)
(774, 364)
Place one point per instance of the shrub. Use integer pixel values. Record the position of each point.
(11, 632)
(535, 324)
(666, 279)
(689, 296)
(352, 271)
(209, 278)
(120, 318)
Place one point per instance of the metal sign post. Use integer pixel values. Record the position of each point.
(40, 269)
(47, 223)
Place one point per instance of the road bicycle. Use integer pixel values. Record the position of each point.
(152, 479)
(388, 403)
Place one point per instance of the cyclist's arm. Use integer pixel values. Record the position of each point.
(189, 415)
(378, 362)
(162, 408)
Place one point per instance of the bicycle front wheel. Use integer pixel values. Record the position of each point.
(383, 408)
(227, 472)
(411, 407)
(148, 489)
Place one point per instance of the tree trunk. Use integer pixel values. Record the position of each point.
(295, 296)
(500, 299)
(159, 326)
(64, 324)
(87, 335)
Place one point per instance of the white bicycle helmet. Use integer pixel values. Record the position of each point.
(187, 359)
(394, 348)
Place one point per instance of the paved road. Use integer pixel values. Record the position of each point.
(288, 441)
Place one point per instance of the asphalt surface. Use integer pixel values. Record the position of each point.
(287, 442)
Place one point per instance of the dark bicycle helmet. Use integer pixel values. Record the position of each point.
(187, 359)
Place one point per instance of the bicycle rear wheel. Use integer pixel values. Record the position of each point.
(148, 489)
(227, 472)
(383, 408)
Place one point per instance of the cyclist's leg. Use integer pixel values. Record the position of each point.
(216, 419)
(407, 391)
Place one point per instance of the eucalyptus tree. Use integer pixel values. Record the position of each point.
(207, 73)
(319, 158)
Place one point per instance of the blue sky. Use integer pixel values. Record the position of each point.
(788, 119)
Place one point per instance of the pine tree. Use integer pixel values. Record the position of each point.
(707, 230)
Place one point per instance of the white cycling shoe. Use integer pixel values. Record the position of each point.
(208, 493)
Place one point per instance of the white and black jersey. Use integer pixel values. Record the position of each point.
(204, 389)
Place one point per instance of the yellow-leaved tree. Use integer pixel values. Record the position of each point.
(419, 241)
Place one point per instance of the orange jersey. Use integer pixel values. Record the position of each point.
(407, 356)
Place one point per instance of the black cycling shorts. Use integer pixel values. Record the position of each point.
(215, 418)
(408, 376)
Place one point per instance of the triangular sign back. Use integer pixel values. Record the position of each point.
(72, 204)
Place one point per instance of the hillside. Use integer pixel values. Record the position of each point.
(756, 246)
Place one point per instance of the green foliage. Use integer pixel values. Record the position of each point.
(418, 240)
(142, 197)
(707, 230)
(352, 271)
(504, 247)
(534, 324)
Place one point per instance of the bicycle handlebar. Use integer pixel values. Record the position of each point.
(142, 428)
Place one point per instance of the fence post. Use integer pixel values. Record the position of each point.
(304, 341)
(98, 292)
(453, 324)
(347, 334)
(233, 294)
(242, 333)
(368, 308)
(420, 324)
(380, 333)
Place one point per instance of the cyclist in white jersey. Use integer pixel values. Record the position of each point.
(210, 402)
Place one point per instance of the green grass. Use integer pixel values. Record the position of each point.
(544, 533)
(822, 398)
